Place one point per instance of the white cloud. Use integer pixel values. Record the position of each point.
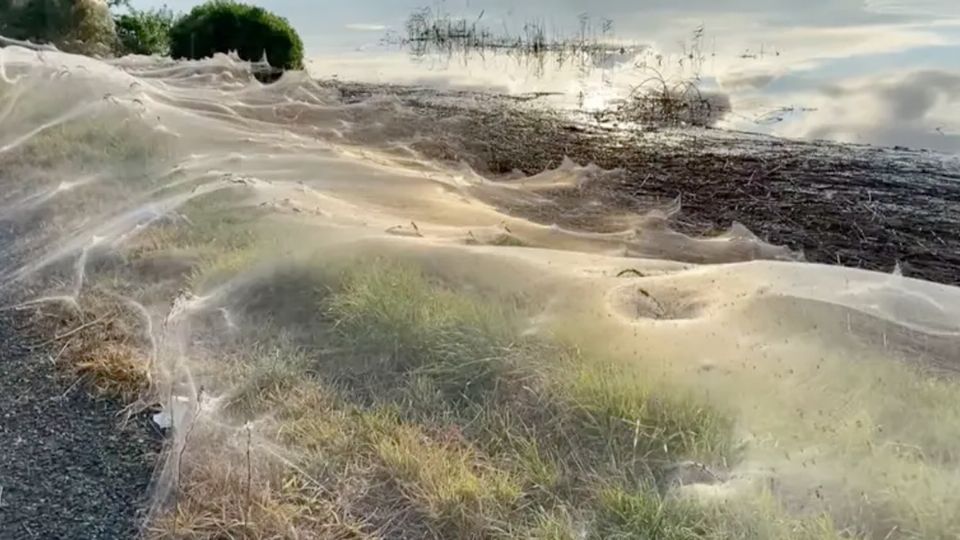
(910, 7)
(746, 80)
(920, 109)
(366, 27)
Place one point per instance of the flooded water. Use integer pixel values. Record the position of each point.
(877, 71)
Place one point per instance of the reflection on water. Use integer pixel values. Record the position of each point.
(658, 99)
(430, 32)
(880, 72)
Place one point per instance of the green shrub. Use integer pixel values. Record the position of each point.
(224, 26)
(81, 26)
(144, 32)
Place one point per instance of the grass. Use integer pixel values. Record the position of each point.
(625, 514)
(98, 346)
(465, 357)
(109, 136)
(451, 487)
(630, 515)
(405, 407)
(427, 414)
(415, 330)
(114, 369)
(662, 424)
(380, 400)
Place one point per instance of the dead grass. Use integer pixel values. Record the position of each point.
(97, 347)
(113, 368)
(231, 491)
(662, 102)
(450, 486)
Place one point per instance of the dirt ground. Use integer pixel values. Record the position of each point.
(69, 467)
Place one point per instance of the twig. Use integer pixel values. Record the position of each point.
(183, 449)
(633, 271)
(249, 478)
(63, 349)
(76, 330)
(68, 390)
(642, 291)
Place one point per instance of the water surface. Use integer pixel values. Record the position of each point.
(876, 71)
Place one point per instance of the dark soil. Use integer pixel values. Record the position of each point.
(857, 206)
(69, 467)
(854, 205)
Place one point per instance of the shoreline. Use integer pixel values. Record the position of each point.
(859, 206)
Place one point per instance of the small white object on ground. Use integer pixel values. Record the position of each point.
(163, 420)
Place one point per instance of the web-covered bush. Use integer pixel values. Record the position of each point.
(224, 26)
(144, 32)
(80, 26)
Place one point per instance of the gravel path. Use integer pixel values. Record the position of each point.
(68, 468)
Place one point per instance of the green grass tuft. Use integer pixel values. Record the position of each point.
(641, 516)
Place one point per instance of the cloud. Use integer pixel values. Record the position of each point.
(366, 27)
(920, 109)
(746, 81)
(925, 7)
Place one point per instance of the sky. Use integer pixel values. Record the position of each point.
(871, 71)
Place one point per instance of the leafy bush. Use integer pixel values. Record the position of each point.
(144, 32)
(81, 26)
(224, 26)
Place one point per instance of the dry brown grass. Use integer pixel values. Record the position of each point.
(223, 495)
(113, 368)
(302, 473)
(97, 346)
